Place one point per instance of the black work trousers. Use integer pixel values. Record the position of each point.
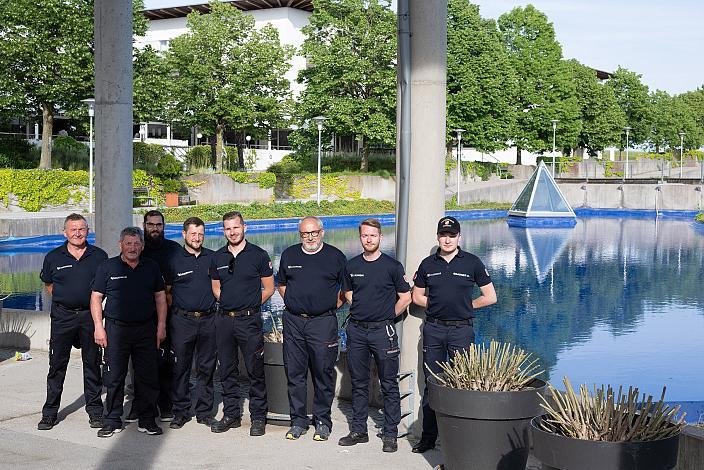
(191, 336)
(440, 343)
(136, 342)
(310, 343)
(243, 333)
(66, 325)
(381, 344)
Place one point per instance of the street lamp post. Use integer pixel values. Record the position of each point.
(91, 112)
(319, 121)
(625, 169)
(681, 134)
(459, 161)
(554, 128)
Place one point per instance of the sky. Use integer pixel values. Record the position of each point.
(662, 40)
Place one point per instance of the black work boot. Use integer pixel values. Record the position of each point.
(354, 438)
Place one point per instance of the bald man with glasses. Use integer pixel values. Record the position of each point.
(310, 276)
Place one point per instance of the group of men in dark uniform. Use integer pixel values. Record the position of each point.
(160, 305)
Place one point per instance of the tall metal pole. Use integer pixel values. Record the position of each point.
(554, 128)
(90, 165)
(459, 161)
(625, 169)
(403, 119)
(319, 121)
(681, 133)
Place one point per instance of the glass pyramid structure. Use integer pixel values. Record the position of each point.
(541, 197)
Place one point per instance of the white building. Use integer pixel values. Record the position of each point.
(167, 20)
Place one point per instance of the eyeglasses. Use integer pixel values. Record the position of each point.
(231, 265)
(313, 234)
(151, 225)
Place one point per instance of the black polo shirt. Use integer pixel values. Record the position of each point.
(374, 285)
(189, 278)
(129, 292)
(162, 252)
(312, 281)
(71, 277)
(241, 277)
(450, 285)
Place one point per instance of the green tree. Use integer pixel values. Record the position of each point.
(227, 73)
(350, 47)
(545, 87)
(695, 101)
(151, 86)
(46, 59)
(632, 96)
(670, 115)
(601, 116)
(481, 83)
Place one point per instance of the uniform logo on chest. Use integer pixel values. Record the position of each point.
(433, 274)
(356, 275)
(59, 268)
(460, 274)
(184, 273)
(294, 267)
(115, 278)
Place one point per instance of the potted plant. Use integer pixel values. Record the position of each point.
(276, 381)
(171, 190)
(484, 399)
(606, 430)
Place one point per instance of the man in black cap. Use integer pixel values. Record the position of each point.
(68, 272)
(161, 250)
(242, 280)
(444, 284)
(134, 289)
(310, 277)
(376, 286)
(191, 324)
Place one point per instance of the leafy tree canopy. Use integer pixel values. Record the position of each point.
(632, 96)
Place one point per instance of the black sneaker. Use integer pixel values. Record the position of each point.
(354, 438)
(226, 423)
(389, 444)
(47, 423)
(207, 420)
(423, 445)
(150, 428)
(178, 421)
(95, 421)
(108, 430)
(258, 427)
(166, 416)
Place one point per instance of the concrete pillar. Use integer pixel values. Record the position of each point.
(113, 120)
(428, 25)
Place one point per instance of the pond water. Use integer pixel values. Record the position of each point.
(614, 299)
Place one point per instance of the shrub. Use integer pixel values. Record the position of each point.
(69, 154)
(168, 167)
(264, 180)
(287, 165)
(172, 186)
(199, 158)
(147, 156)
(18, 153)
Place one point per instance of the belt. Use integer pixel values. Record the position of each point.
(371, 324)
(310, 315)
(240, 313)
(468, 322)
(128, 323)
(192, 313)
(71, 309)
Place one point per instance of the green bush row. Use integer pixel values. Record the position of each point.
(265, 180)
(36, 189)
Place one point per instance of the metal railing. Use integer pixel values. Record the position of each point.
(661, 170)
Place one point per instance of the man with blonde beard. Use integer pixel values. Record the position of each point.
(310, 277)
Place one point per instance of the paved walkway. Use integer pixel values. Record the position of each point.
(72, 444)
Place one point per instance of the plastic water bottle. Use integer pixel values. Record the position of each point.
(343, 339)
(22, 356)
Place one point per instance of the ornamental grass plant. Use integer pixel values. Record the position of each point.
(498, 368)
(602, 415)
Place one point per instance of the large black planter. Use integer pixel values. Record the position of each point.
(559, 452)
(277, 386)
(484, 430)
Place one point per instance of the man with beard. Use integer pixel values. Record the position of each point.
(376, 287)
(310, 276)
(191, 324)
(444, 284)
(134, 289)
(239, 271)
(161, 250)
(68, 272)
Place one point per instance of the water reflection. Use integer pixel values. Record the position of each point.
(611, 300)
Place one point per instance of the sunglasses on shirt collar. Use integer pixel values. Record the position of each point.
(231, 265)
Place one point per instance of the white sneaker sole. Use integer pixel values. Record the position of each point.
(147, 431)
(115, 431)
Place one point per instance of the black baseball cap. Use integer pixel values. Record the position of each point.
(448, 225)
